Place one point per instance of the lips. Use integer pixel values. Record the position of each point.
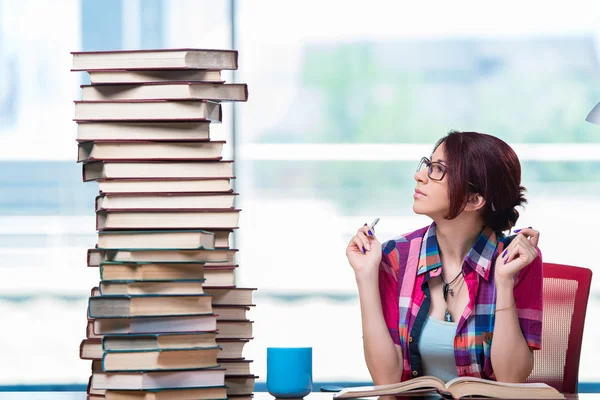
(417, 191)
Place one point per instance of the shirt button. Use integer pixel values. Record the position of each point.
(410, 339)
(415, 373)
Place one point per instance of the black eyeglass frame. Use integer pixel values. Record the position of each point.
(429, 164)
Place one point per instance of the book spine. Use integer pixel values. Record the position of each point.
(81, 349)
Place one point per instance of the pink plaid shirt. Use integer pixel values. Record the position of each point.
(410, 260)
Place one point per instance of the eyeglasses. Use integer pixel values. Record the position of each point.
(435, 170)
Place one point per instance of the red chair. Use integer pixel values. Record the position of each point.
(566, 292)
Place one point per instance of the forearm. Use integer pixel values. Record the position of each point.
(381, 354)
(511, 358)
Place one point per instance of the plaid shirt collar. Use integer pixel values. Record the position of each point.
(479, 257)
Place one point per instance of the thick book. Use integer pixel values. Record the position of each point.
(164, 359)
(231, 348)
(164, 201)
(206, 218)
(231, 296)
(155, 59)
(167, 256)
(116, 271)
(235, 329)
(199, 150)
(89, 330)
(457, 388)
(93, 131)
(95, 257)
(202, 185)
(94, 392)
(90, 349)
(159, 341)
(153, 288)
(157, 170)
(240, 385)
(170, 324)
(170, 239)
(148, 110)
(207, 393)
(156, 272)
(230, 313)
(158, 379)
(148, 306)
(167, 90)
(219, 275)
(118, 76)
(238, 367)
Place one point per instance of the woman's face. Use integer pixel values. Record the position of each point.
(431, 196)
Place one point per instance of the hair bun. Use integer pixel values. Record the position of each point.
(506, 220)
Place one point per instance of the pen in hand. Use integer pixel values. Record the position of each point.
(372, 226)
(371, 230)
(364, 252)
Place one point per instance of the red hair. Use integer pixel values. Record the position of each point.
(484, 164)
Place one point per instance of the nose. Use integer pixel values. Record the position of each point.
(421, 176)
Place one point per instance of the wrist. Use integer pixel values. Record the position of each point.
(504, 283)
(367, 278)
(504, 294)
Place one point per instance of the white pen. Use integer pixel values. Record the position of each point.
(375, 221)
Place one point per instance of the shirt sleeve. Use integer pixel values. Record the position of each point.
(528, 293)
(388, 288)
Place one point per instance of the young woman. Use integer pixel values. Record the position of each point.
(458, 297)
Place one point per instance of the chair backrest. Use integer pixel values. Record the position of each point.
(566, 292)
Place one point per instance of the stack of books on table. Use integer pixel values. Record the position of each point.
(166, 320)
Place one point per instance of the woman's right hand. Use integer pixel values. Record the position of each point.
(367, 263)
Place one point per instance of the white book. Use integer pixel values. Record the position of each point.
(158, 379)
(172, 151)
(124, 77)
(170, 91)
(168, 219)
(149, 110)
(133, 170)
(105, 131)
(164, 201)
(155, 59)
(206, 185)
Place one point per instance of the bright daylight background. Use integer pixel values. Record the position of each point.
(345, 98)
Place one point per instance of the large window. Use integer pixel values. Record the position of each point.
(345, 98)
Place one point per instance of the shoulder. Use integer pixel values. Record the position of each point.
(402, 242)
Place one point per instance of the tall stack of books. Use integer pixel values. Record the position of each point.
(166, 320)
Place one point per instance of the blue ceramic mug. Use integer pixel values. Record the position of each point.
(289, 371)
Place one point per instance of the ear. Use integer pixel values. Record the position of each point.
(475, 202)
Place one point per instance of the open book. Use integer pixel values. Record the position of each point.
(456, 388)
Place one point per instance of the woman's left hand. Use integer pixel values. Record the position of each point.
(520, 253)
